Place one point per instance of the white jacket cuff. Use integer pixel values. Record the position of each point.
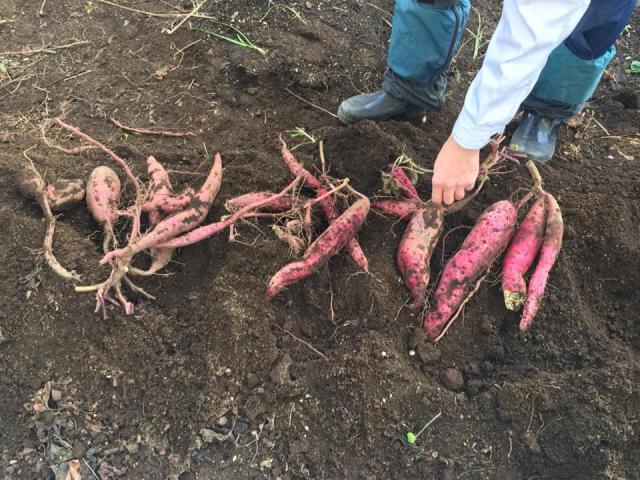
(468, 135)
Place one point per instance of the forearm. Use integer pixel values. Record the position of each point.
(528, 31)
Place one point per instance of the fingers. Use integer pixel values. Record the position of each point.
(436, 193)
(469, 187)
(448, 195)
(459, 193)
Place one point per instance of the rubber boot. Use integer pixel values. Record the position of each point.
(536, 136)
(424, 37)
(376, 106)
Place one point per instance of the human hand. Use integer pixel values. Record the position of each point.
(454, 172)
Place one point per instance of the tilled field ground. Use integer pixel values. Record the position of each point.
(155, 395)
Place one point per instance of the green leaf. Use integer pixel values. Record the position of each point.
(411, 438)
(635, 66)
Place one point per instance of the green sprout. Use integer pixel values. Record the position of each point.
(125, 135)
(635, 66)
(478, 35)
(241, 40)
(299, 132)
(294, 13)
(89, 7)
(412, 437)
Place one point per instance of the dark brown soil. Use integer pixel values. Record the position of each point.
(211, 353)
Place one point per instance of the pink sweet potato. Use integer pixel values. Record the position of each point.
(103, 195)
(488, 238)
(396, 208)
(551, 246)
(207, 231)
(403, 182)
(327, 202)
(65, 194)
(328, 244)
(281, 204)
(415, 249)
(161, 199)
(521, 253)
(180, 222)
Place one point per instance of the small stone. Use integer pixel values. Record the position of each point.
(452, 379)
(208, 436)
(280, 372)
(222, 421)
(266, 463)
(132, 447)
(252, 90)
(56, 395)
(429, 353)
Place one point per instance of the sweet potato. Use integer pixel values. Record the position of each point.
(32, 186)
(206, 231)
(103, 195)
(488, 238)
(30, 183)
(180, 222)
(415, 249)
(396, 208)
(281, 204)
(65, 195)
(161, 199)
(403, 182)
(521, 253)
(551, 246)
(328, 244)
(327, 202)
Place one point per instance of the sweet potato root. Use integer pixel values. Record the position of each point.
(161, 199)
(30, 183)
(551, 246)
(32, 186)
(65, 195)
(521, 253)
(488, 238)
(415, 249)
(180, 222)
(327, 202)
(103, 195)
(328, 244)
(403, 182)
(396, 208)
(281, 204)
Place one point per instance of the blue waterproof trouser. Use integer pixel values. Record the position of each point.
(426, 34)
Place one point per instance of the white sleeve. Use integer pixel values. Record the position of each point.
(527, 33)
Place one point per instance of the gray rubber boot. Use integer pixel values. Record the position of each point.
(376, 106)
(536, 137)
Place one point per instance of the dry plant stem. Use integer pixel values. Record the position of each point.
(157, 15)
(135, 231)
(151, 131)
(69, 151)
(310, 203)
(189, 15)
(464, 302)
(537, 184)
(47, 49)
